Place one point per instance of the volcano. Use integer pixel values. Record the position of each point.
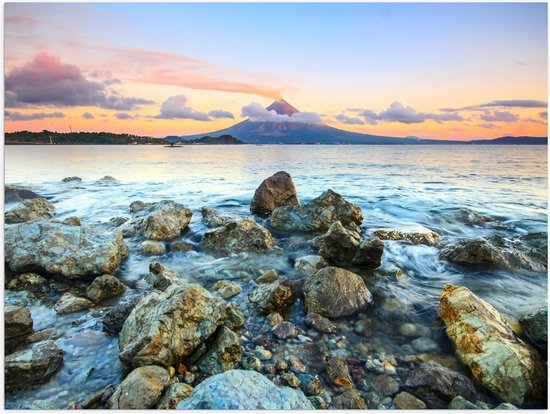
(282, 107)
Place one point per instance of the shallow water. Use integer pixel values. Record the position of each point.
(398, 187)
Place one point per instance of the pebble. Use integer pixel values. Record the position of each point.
(337, 371)
(189, 377)
(384, 385)
(310, 385)
(288, 378)
(461, 403)
(171, 371)
(252, 363)
(262, 354)
(318, 402)
(274, 318)
(407, 401)
(424, 345)
(412, 330)
(285, 330)
(296, 365)
(282, 365)
(267, 277)
(506, 406)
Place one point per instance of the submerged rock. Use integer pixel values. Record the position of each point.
(437, 385)
(31, 209)
(337, 371)
(384, 385)
(152, 247)
(160, 276)
(70, 251)
(461, 403)
(307, 265)
(243, 390)
(115, 318)
(69, 303)
(275, 191)
(535, 327)
(285, 330)
(268, 277)
(471, 217)
(224, 353)
(320, 323)
(335, 292)
(72, 221)
(141, 389)
(275, 296)
(181, 246)
(238, 236)
(429, 238)
(165, 328)
(406, 401)
(497, 358)
(214, 218)
(318, 214)
(32, 366)
(173, 395)
(17, 321)
(27, 281)
(105, 287)
(349, 400)
(226, 289)
(344, 247)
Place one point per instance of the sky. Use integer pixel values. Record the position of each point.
(433, 70)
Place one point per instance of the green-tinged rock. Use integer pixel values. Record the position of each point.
(28, 210)
(268, 277)
(497, 358)
(238, 236)
(384, 385)
(173, 395)
(160, 276)
(226, 289)
(224, 352)
(535, 327)
(429, 238)
(406, 401)
(69, 303)
(275, 296)
(214, 218)
(333, 292)
(72, 179)
(27, 281)
(72, 221)
(310, 384)
(243, 390)
(141, 389)
(105, 287)
(461, 403)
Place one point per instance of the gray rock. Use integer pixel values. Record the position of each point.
(407, 401)
(69, 303)
(238, 236)
(28, 210)
(461, 403)
(318, 214)
(308, 265)
(471, 217)
(384, 385)
(320, 323)
(13, 194)
(429, 238)
(160, 276)
(335, 292)
(437, 385)
(350, 399)
(275, 191)
(214, 218)
(72, 179)
(423, 345)
(152, 247)
(344, 247)
(69, 251)
(137, 206)
(318, 402)
(285, 330)
(234, 317)
(141, 389)
(115, 318)
(181, 246)
(173, 395)
(226, 289)
(118, 221)
(107, 179)
(243, 390)
(72, 221)
(224, 353)
(25, 369)
(27, 281)
(165, 328)
(506, 406)
(17, 321)
(275, 296)
(105, 287)
(535, 327)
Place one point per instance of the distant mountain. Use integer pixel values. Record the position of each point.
(511, 141)
(221, 140)
(76, 138)
(282, 107)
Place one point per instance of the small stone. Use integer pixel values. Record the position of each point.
(285, 330)
(310, 385)
(72, 221)
(307, 265)
(461, 403)
(274, 318)
(252, 363)
(152, 247)
(296, 365)
(189, 377)
(17, 321)
(407, 401)
(269, 276)
(235, 318)
(118, 221)
(506, 406)
(281, 365)
(171, 371)
(104, 287)
(181, 246)
(70, 303)
(412, 330)
(320, 323)
(348, 400)
(273, 296)
(338, 372)
(71, 179)
(384, 385)
(290, 380)
(141, 389)
(318, 402)
(224, 353)
(173, 395)
(27, 281)
(262, 353)
(424, 345)
(226, 289)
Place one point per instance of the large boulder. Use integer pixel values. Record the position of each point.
(318, 214)
(344, 247)
(275, 191)
(17, 321)
(497, 358)
(238, 236)
(224, 352)
(165, 328)
(141, 389)
(243, 390)
(32, 209)
(274, 296)
(70, 251)
(335, 292)
(535, 327)
(429, 238)
(437, 385)
(105, 287)
(32, 366)
(164, 220)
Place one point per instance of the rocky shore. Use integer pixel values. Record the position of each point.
(306, 335)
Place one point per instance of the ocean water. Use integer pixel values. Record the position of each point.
(407, 188)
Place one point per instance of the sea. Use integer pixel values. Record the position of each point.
(407, 188)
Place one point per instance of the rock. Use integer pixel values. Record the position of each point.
(275, 296)
(17, 321)
(28, 210)
(137, 206)
(252, 363)
(309, 384)
(173, 395)
(290, 379)
(118, 221)
(318, 402)
(27, 281)
(214, 218)
(274, 318)
(164, 220)
(165, 328)
(262, 353)
(152, 247)
(335, 292)
(13, 194)
(32, 366)
(406, 401)
(497, 358)
(72, 179)
(535, 327)
(344, 247)
(320, 323)
(104, 287)
(224, 353)
(423, 345)
(141, 389)
(268, 277)
(160, 276)
(70, 251)
(285, 330)
(506, 406)
(115, 318)
(243, 390)
(429, 238)
(107, 179)
(181, 246)
(437, 385)
(307, 265)
(70, 303)
(384, 385)
(348, 400)
(337, 371)
(238, 236)
(226, 289)
(318, 214)
(275, 191)
(72, 221)
(471, 217)
(461, 403)
(234, 317)
(412, 330)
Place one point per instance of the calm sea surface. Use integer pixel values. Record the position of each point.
(407, 188)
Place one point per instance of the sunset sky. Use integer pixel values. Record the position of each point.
(430, 70)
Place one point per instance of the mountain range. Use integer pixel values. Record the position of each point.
(284, 130)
